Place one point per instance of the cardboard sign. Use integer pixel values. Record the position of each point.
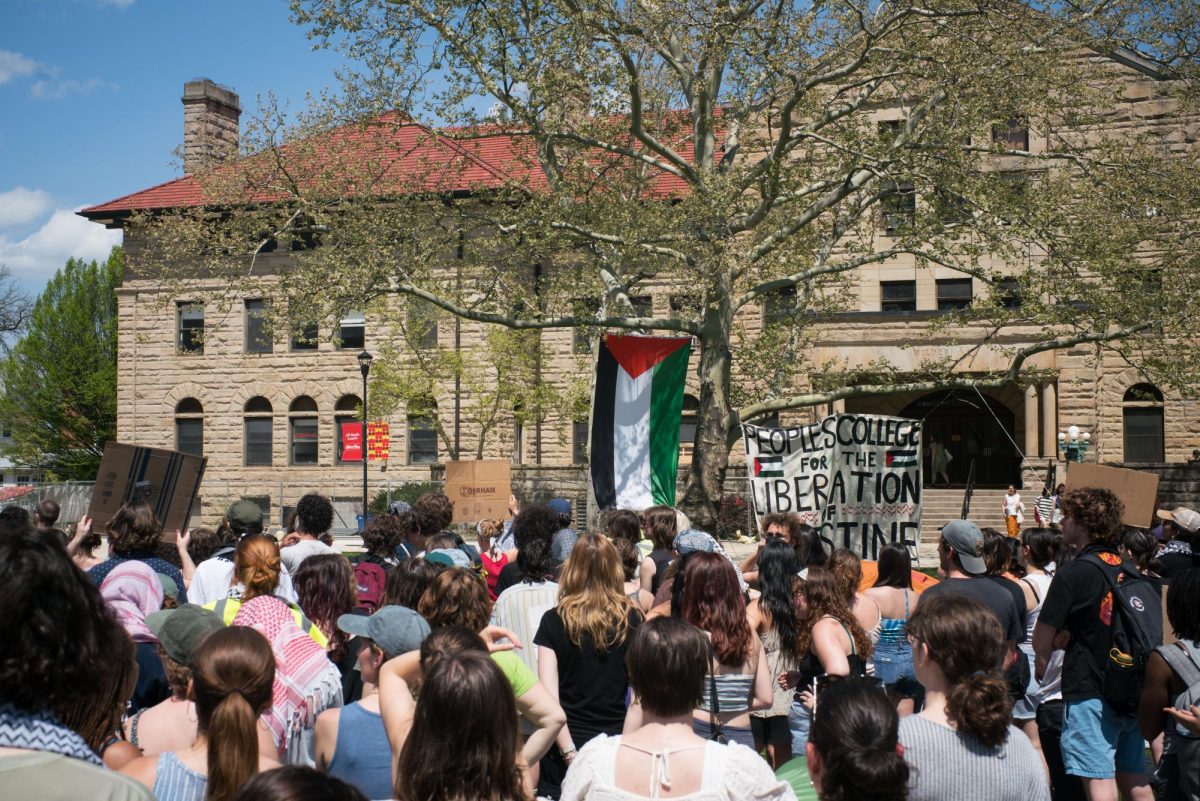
(478, 488)
(168, 480)
(1138, 490)
(856, 477)
(352, 443)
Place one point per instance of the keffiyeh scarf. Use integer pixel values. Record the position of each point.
(39, 731)
(306, 682)
(132, 591)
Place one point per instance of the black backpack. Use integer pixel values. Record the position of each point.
(1137, 626)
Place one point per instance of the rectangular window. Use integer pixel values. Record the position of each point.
(258, 333)
(898, 296)
(518, 451)
(899, 204)
(579, 442)
(189, 435)
(422, 441)
(190, 328)
(953, 293)
(352, 331)
(22, 479)
(643, 305)
(422, 325)
(304, 440)
(779, 305)
(951, 207)
(1144, 434)
(1012, 134)
(258, 441)
(304, 335)
(1010, 293)
(889, 130)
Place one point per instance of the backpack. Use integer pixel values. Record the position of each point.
(1185, 662)
(1137, 626)
(371, 580)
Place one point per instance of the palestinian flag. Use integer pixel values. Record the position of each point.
(901, 458)
(768, 467)
(635, 420)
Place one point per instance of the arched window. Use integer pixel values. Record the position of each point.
(687, 424)
(189, 427)
(1142, 413)
(258, 426)
(422, 436)
(303, 430)
(348, 409)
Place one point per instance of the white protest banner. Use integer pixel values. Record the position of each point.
(856, 477)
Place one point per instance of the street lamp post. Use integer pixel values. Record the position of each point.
(364, 367)
(1074, 443)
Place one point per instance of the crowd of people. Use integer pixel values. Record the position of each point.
(635, 661)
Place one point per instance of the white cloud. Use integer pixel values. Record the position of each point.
(34, 259)
(53, 89)
(21, 206)
(15, 65)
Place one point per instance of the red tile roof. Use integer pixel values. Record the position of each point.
(395, 157)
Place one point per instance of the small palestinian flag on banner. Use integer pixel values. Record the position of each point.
(768, 467)
(901, 458)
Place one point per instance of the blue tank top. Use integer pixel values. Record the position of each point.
(362, 756)
(174, 781)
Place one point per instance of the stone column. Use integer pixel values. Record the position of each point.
(1050, 419)
(1031, 421)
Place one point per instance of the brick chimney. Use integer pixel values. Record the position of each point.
(210, 124)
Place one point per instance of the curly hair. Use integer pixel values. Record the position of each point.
(456, 598)
(712, 601)
(856, 736)
(314, 514)
(630, 555)
(382, 534)
(134, 528)
(407, 582)
(847, 572)
(1183, 599)
(825, 599)
(966, 642)
(1098, 511)
(591, 595)
(661, 526)
(432, 513)
(60, 641)
(326, 590)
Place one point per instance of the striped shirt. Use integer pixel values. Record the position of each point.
(520, 608)
(174, 781)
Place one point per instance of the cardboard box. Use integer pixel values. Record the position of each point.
(1138, 490)
(478, 488)
(169, 480)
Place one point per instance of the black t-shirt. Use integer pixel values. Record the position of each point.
(591, 685)
(1175, 563)
(662, 560)
(1079, 601)
(1013, 589)
(987, 593)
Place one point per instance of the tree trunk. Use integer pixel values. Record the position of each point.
(716, 421)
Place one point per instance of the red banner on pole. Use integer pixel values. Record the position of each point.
(352, 442)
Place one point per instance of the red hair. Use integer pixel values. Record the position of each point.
(712, 601)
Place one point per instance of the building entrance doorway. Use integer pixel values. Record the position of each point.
(970, 428)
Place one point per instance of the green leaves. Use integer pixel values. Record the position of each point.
(60, 380)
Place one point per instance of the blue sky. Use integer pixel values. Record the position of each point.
(91, 96)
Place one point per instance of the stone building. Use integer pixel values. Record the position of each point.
(267, 409)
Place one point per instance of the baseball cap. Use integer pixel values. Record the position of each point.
(395, 629)
(1186, 519)
(967, 541)
(451, 557)
(692, 540)
(169, 586)
(560, 506)
(181, 630)
(399, 507)
(245, 515)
